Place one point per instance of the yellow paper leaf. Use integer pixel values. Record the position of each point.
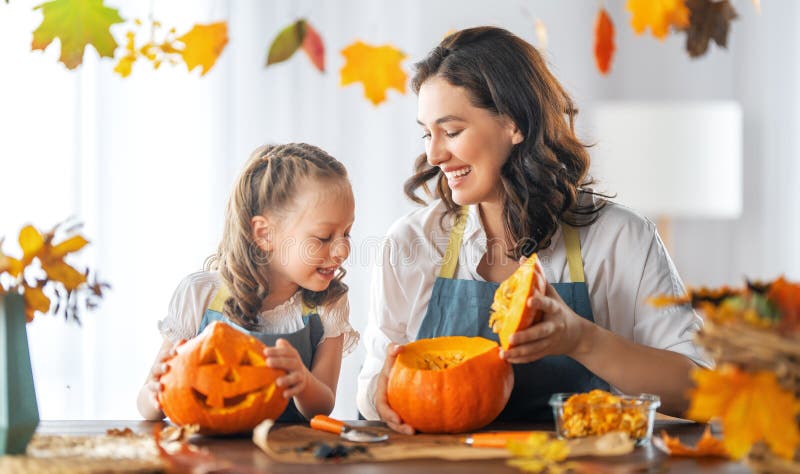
(659, 15)
(72, 244)
(58, 270)
(376, 67)
(752, 407)
(203, 45)
(31, 242)
(35, 300)
(76, 23)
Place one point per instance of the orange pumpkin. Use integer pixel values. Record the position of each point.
(510, 311)
(220, 381)
(449, 384)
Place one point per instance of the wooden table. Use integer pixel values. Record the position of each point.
(243, 452)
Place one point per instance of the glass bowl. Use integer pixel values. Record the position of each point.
(599, 412)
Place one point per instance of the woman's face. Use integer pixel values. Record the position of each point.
(468, 143)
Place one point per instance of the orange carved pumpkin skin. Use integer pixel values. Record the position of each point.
(449, 384)
(219, 380)
(510, 310)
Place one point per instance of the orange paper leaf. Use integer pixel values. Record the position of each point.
(786, 296)
(76, 23)
(203, 45)
(708, 445)
(659, 15)
(604, 46)
(377, 67)
(752, 407)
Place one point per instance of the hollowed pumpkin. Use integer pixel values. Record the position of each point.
(510, 311)
(220, 381)
(449, 384)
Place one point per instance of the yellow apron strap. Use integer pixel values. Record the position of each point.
(218, 303)
(454, 245)
(307, 310)
(573, 243)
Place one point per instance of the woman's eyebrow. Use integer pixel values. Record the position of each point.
(446, 118)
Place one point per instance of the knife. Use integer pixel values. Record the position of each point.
(332, 425)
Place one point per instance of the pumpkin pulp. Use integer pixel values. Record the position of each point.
(510, 310)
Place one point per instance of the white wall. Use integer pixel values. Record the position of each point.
(148, 161)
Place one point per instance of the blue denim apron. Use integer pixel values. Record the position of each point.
(304, 340)
(462, 307)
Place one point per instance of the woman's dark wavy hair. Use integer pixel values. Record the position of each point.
(544, 173)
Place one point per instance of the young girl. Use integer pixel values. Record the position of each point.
(277, 275)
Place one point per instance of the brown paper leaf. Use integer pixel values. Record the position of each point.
(708, 19)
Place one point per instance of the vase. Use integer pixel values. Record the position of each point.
(19, 413)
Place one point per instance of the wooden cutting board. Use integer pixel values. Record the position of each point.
(295, 444)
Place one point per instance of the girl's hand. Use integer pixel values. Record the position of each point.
(284, 356)
(559, 332)
(149, 404)
(389, 416)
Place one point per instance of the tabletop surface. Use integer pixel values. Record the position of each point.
(243, 453)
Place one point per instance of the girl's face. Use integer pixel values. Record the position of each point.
(309, 243)
(468, 143)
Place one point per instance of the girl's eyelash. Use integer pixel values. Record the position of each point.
(426, 136)
(323, 239)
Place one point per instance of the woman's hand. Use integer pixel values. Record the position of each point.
(389, 416)
(284, 356)
(559, 332)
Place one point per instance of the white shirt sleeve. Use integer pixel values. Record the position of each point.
(189, 302)
(626, 264)
(389, 309)
(336, 320)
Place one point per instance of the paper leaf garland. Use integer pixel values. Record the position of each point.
(659, 15)
(299, 34)
(709, 20)
(604, 46)
(76, 23)
(203, 44)
(376, 67)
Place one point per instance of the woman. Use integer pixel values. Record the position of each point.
(511, 179)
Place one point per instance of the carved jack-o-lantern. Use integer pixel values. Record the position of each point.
(219, 380)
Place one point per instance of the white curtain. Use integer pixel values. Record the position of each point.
(147, 162)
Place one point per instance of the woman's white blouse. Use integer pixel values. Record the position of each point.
(624, 263)
(195, 293)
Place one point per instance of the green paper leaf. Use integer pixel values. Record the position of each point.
(76, 23)
(287, 42)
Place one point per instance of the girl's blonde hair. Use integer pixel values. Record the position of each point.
(268, 183)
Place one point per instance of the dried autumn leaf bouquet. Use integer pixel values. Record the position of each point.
(753, 333)
(44, 278)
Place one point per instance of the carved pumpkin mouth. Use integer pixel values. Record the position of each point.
(227, 402)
